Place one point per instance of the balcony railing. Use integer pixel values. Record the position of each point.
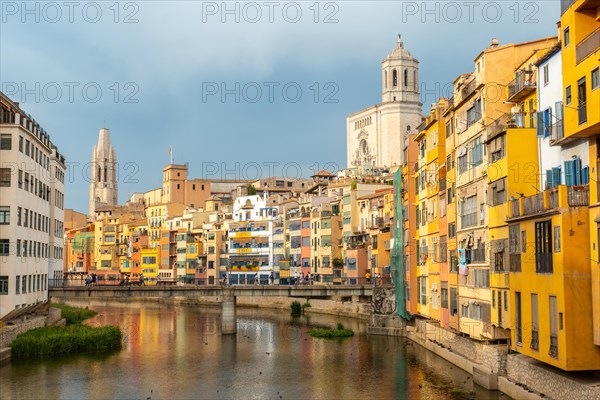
(579, 196)
(553, 346)
(515, 210)
(582, 113)
(468, 89)
(533, 204)
(508, 121)
(535, 342)
(521, 85)
(553, 199)
(557, 131)
(587, 46)
(478, 255)
(565, 4)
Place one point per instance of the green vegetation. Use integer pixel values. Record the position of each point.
(305, 306)
(74, 315)
(77, 338)
(251, 190)
(296, 309)
(338, 262)
(338, 333)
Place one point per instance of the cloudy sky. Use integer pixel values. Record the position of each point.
(239, 89)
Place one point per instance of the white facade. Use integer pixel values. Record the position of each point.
(103, 185)
(550, 99)
(375, 135)
(31, 209)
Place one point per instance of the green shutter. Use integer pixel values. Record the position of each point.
(549, 179)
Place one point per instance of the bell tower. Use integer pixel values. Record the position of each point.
(400, 75)
(103, 185)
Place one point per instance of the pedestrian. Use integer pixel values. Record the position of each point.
(271, 279)
(158, 281)
(296, 278)
(368, 277)
(142, 280)
(127, 280)
(256, 282)
(88, 280)
(94, 279)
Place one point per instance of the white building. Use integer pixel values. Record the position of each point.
(103, 184)
(251, 249)
(562, 161)
(31, 209)
(375, 135)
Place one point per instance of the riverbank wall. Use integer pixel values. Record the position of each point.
(9, 332)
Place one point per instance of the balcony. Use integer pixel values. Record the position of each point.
(533, 204)
(508, 121)
(468, 89)
(522, 86)
(587, 46)
(557, 132)
(579, 196)
(515, 210)
(535, 342)
(553, 352)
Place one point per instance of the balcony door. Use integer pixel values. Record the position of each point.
(581, 105)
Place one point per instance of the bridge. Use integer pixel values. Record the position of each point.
(227, 294)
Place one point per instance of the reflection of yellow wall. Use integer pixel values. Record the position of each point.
(569, 282)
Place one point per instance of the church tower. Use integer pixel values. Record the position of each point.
(103, 187)
(400, 75)
(375, 136)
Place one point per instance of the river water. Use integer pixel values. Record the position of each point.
(177, 352)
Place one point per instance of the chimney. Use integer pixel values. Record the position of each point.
(494, 43)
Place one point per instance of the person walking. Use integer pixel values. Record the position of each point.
(271, 279)
(142, 283)
(368, 277)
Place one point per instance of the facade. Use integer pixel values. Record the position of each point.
(375, 135)
(32, 191)
(103, 180)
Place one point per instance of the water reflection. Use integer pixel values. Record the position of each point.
(177, 352)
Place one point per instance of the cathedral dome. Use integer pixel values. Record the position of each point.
(400, 51)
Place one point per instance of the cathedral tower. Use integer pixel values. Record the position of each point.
(103, 186)
(375, 136)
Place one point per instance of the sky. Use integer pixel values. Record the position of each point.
(239, 90)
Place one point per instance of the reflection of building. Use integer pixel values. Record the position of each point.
(31, 209)
(375, 134)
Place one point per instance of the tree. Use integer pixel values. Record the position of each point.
(251, 190)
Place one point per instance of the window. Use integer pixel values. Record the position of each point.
(497, 193)
(595, 78)
(18, 284)
(568, 95)
(546, 74)
(442, 205)
(21, 144)
(553, 328)
(305, 224)
(477, 153)
(3, 285)
(448, 129)
(534, 322)
(423, 286)
(514, 248)
(394, 78)
(443, 249)
(468, 212)
(453, 301)
(519, 330)
(557, 239)
(463, 161)
(4, 215)
(543, 247)
(444, 295)
(4, 177)
(474, 113)
(306, 241)
(5, 141)
(574, 173)
(496, 148)
(452, 230)
(566, 36)
(434, 296)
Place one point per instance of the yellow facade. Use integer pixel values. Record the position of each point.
(550, 291)
(149, 264)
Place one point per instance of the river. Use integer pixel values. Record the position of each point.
(176, 352)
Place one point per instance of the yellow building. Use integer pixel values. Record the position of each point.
(431, 141)
(149, 264)
(550, 291)
(512, 158)
(580, 30)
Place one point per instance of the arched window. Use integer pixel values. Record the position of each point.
(99, 176)
(394, 78)
(385, 78)
(105, 175)
(405, 77)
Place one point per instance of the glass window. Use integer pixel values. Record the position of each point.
(4, 177)
(4, 215)
(567, 37)
(595, 78)
(5, 141)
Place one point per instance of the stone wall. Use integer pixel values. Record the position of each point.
(536, 377)
(9, 332)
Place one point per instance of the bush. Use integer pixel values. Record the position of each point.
(339, 326)
(296, 309)
(305, 306)
(74, 315)
(50, 341)
(331, 333)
